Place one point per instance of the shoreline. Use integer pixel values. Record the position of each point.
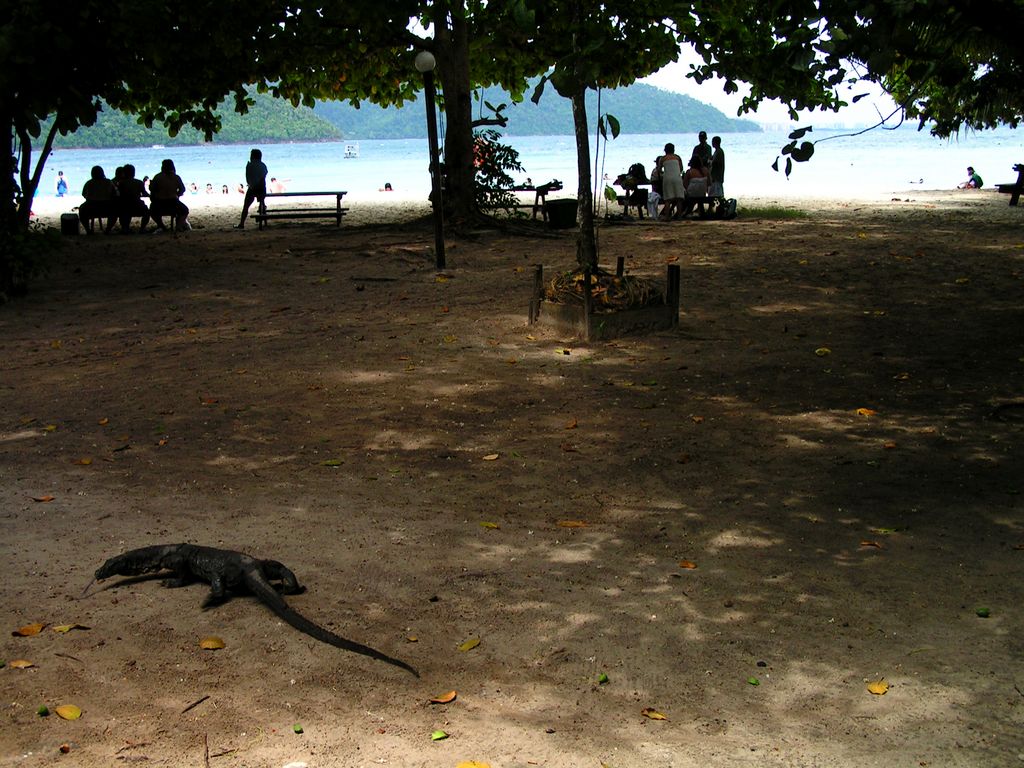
(215, 212)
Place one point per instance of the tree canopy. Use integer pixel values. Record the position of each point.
(950, 63)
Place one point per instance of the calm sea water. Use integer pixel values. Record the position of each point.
(877, 163)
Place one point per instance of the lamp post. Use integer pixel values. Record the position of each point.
(425, 64)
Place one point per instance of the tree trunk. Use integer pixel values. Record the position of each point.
(586, 244)
(451, 40)
(8, 211)
(30, 176)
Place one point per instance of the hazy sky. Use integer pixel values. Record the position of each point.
(865, 112)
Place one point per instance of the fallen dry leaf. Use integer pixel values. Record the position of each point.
(490, 457)
(28, 630)
(84, 461)
(869, 543)
(572, 523)
(470, 644)
(68, 712)
(572, 424)
(878, 687)
(866, 412)
(489, 525)
(20, 664)
(653, 714)
(43, 499)
(687, 564)
(473, 764)
(211, 643)
(444, 698)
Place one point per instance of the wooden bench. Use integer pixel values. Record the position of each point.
(266, 214)
(636, 198)
(1014, 189)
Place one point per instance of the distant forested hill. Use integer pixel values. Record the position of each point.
(639, 108)
(269, 120)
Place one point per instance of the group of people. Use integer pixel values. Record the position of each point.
(682, 189)
(123, 198)
(119, 199)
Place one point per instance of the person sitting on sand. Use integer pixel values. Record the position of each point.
(973, 180)
(256, 177)
(386, 187)
(99, 195)
(165, 190)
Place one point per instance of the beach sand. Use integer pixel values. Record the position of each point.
(813, 484)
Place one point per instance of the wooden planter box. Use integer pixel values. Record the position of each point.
(582, 321)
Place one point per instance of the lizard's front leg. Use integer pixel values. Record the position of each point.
(182, 577)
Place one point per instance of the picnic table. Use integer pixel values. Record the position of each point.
(540, 197)
(1014, 189)
(336, 212)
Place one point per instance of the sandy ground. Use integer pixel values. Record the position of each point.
(832, 437)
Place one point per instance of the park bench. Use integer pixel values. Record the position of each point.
(1014, 189)
(265, 214)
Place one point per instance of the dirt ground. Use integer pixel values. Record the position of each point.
(832, 437)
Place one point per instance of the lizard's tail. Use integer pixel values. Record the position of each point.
(276, 603)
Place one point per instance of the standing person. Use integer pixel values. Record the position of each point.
(670, 169)
(702, 149)
(62, 185)
(277, 186)
(165, 189)
(717, 188)
(973, 180)
(256, 177)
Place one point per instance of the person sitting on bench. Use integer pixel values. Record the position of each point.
(99, 195)
(696, 184)
(130, 192)
(165, 190)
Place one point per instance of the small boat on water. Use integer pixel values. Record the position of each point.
(351, 150)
